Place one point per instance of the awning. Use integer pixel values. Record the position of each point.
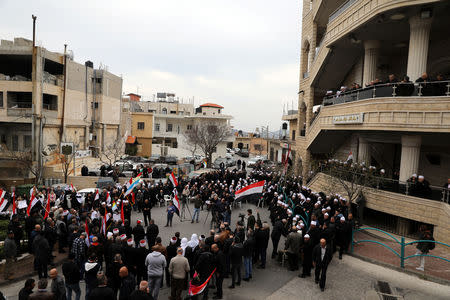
(130, 140)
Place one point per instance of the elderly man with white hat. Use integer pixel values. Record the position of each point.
(343, 235)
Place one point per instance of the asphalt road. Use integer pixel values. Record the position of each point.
(349, 278)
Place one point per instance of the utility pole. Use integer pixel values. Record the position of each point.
(33, 79)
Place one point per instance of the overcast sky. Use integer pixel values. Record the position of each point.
(242, 54)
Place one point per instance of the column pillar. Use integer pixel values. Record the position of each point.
(306, 167)
(86, 137)
(419, 38)
(364, 151)
(409, 161)
(371, 53)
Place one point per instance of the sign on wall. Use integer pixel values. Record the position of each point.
(349, 119)
(67, 148)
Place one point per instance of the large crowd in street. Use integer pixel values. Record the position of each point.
(131, 260)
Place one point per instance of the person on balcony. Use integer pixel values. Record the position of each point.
(392, 79)
(405, 87)
(440, 86)
(421, 188)
(425, 88)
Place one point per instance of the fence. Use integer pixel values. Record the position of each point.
(402, 256)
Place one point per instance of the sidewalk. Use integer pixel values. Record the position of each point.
(24, 267)
(434, 267)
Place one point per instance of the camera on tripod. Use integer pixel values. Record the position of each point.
(242, 216)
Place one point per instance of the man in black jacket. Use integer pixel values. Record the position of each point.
(279, 228)
(236, 253)
(251, 220)
(321, 259)
(72, 277)
(249, 246)
(141, 293)
(138, 233)
(152, 233)
(307, 256)
(41, 250)
(101, 291)
(127, 284)
(262, 236)
(343, 235)
(219, 260)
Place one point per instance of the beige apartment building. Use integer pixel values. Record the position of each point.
(349, 103)
(47, 98)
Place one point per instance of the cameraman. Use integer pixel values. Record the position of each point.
(197, 205)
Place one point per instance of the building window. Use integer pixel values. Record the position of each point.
(293, 135)
(214, 149)
(164, 111)
(3, 139)
(173, 112)
(189, 127)
(169, 128)
(15, 143)
(174, 144)
(27, 141)
(1, 99)
(140, 125)
(157, 126)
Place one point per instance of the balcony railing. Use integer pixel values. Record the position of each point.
(341, 9)
(386, 184)
(423, 89)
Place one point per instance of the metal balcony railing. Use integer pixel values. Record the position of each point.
(386, 184)
(422, 89)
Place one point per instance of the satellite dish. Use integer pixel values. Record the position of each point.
(70, 54)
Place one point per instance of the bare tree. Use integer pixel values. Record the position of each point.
(207, 136)
(260, 148)
(26, 164)
(112, 152)
(67, 165)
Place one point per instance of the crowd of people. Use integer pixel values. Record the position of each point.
(429, 86)
(131, 260)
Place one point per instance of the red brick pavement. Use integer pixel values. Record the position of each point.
(433, 266)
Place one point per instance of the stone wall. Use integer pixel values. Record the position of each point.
(412, 208)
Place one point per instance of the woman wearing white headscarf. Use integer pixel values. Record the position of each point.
(194, 241)
(183, 245)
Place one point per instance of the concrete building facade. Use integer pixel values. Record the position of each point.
(53, 99)
(172, 119)
(142, 132)
(349, 52)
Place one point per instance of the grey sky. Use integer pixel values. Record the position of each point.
(242, 54)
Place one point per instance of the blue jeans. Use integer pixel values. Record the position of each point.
(196, 214)
(75, 287)
(262, 252)
(248, 266)
(169, 220)
(154, 283)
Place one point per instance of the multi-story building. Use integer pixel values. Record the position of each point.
(141, 132)
(172, 119)
(47, 98)
(347, 48)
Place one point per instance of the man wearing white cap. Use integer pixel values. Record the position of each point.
(307, 250)
(343, 235)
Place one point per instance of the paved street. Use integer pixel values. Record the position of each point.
(350, 278)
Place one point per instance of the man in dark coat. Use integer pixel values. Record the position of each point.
(343, 235)
(102, 291)
(249, 246)
(307, 250)
(41, 250)
(262, 241)
(152, 233)
(279, 228)
(127, 284)
(42, 293)
(321, 259)
(236, 254)
(251, 220)
(141, 293)
(292, 247)
(138, 233)
(219, 262)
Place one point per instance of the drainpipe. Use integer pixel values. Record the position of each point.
(61, 131)
(86, 92)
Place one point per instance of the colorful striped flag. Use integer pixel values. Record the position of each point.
(173, 179)
(133, 185)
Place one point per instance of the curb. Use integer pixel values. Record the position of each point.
(26, 276)
(417, 274)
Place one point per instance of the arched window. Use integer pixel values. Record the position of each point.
(164, 111)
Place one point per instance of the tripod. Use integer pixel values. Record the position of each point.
(184, 206)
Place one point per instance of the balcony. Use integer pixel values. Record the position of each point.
(423, 89)
(291, 115)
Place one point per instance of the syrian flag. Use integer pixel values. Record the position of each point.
(97, 196)
(108, 198)
(3, 202)
(173, 179)
(255, 188)
(47, 207)
(86, 228)
(33, 202)
(14, 209)
(350, 157)
(286, 160)
(198, 289)
(176, 201)
(72, 188)
(104, 221)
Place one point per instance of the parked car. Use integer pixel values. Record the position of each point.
(252, 162)
(218, 161)
(230, 162)
(104, 182)
(268, 163)
(243, 153)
